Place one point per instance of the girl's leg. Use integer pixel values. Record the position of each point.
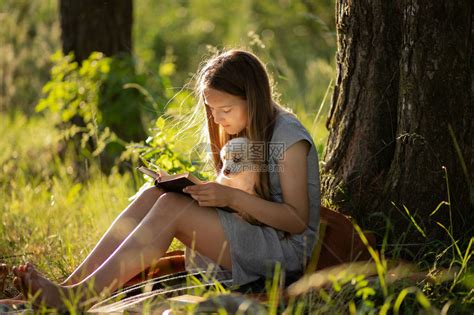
(172, 215)
(120, 228)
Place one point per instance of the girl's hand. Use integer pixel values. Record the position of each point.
(210, 194)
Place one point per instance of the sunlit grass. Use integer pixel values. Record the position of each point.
(48, 216)
(53, 219)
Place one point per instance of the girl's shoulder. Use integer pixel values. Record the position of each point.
(286, 120)
(288, 130)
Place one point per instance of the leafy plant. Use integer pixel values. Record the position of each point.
(92, 104)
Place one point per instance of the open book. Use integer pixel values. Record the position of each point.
(174, 183)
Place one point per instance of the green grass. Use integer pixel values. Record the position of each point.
(55, 205)
(52, 217)
(49, 215)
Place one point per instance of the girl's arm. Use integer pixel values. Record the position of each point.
(293, 214)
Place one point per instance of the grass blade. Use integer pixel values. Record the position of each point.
(414, 222)
(442, 203)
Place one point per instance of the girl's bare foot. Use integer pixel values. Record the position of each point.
(18, 283)
(19, 286)
(4, 270)
(42, 291)
(3, 275)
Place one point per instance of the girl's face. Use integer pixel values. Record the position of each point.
(228, 110)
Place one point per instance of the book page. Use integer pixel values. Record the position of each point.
(148, 172)
(166, 178)
(160, 171)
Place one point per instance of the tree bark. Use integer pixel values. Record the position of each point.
(404, 80)
(96, 25)
(106, 26)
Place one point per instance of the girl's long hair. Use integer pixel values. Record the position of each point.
(242, 74)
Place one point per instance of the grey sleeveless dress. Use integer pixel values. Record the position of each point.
(255, 249)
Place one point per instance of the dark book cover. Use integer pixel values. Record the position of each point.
(178, 184)
(175, 183)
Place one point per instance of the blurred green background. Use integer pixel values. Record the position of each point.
(53, 197)
(296, 39)
(63, 183)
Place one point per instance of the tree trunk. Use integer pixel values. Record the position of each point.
(96, 25)
(106, 26)
(401, 114)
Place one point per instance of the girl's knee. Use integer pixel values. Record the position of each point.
(152, 193)
(170, 199)
(169, 202)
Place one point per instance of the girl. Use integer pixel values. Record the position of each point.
(234, 88)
